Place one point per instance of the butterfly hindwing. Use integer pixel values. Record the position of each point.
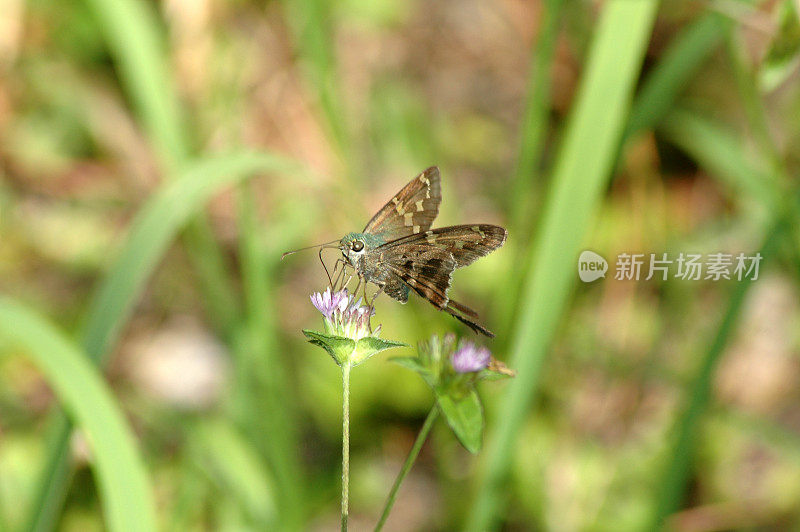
(412, 210)
(427, 270)
(424, 269)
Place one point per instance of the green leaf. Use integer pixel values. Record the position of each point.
(464, 414)
(370, 345)
(128, 503)
(338, 347)
(415, 364)
(492, 375)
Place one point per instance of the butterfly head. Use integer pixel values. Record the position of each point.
(355, 245)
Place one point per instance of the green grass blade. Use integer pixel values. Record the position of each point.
(154, 228)
(723, 156)
(672, 483)
(680, 61)
(132, 33)
(535, 118)
(582, 169)
(312, 26)
(263, 378)
(157, 224)
(524, 187)
(230, 461)
(137, 44)
(56, 475)
(128, 503)
(718, 151)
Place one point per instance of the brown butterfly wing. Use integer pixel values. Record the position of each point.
(466, 243)
(427, 270)
(412, 210)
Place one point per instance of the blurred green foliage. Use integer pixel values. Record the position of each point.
(156, 158)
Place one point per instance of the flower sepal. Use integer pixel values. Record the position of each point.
(348, 351)
(371, 345)
(338, 347)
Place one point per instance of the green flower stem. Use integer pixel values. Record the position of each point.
(345, 442)
(410, 459)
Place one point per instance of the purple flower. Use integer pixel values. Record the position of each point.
(327, 303)
(344, 316)
(469, 358)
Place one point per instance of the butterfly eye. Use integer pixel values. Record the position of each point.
(357, 245)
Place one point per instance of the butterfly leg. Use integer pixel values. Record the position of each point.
(346, 283)
(338, 277)
(358, 286)
(374, 297)
(371, 306)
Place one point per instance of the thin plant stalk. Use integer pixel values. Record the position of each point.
(410, 459)
(345, 443)
(673, 480)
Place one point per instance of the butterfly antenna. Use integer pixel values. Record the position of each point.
(324, 244)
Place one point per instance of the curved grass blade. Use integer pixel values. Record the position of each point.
(137, 44)
(234, 465)
(721, 154)
(128, 503)
(680, 61)
(154, 228)
(156, 225)
(582, 169)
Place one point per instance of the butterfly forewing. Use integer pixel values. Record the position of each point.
(466, 243)
(411, 211)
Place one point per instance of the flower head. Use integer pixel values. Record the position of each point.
(469, 358)
(348, 336)
(344, 316)
(327, 303)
